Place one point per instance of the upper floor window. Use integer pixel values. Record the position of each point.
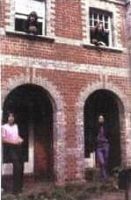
(22, 11)
(100, 27)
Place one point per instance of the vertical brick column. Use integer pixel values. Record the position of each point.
(128, 35)
(127, 162)
(128, 113)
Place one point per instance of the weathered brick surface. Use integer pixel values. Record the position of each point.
(62, 52)
(68, 19)
(70, 72)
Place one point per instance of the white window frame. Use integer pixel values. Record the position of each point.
(25, 8)
(103, 13)
(49, 18)
(108, 6)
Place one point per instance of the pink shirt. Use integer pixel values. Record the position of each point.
(10, 132)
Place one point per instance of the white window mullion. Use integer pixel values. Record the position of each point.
(19, 16)
(44, 19)
(103, 20)
(93, 19)
(97, 17)
(110, 31)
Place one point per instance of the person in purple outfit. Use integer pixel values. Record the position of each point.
(102, 148)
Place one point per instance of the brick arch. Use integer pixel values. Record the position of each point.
(58, 117)
(87, 91)
(123, 106)
(17, 81)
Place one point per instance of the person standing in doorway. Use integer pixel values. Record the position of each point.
(13, 143)
(102, 147)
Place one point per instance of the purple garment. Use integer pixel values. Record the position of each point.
(102, 157)
(101, 138)
(102, 152)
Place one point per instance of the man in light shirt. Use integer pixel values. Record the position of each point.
(12, 141)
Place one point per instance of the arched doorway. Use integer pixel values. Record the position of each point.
(107, 103)
(33, 108)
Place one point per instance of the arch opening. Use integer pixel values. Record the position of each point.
(33, 107)
(107, 103)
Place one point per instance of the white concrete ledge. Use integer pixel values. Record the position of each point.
(21, 61)
(29, 36)
(105, 48)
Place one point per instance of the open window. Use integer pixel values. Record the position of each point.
(24, 8)
(101, 17)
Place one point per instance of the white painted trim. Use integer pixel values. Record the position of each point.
(25, 7)
(108, 6)
(116, 2)
(48, 20)
(91, 161)
(2, 31)
(10, 60)
(29, 166)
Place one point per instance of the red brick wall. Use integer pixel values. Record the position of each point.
(41, 49)
(70, 85)
(68, 19)
(122, 24)
(68, 23)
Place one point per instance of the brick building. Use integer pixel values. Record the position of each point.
(128, 19)
(58, 82)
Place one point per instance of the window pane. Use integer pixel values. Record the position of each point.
(37, 6)
(100, 17)
(95, 22)
(106, 25)
(90, 22)
(27, 6)
(95, 16)
(90, 15)
(20, 25)
(106, 18)
(22, 6)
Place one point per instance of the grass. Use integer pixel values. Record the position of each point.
(89, 191)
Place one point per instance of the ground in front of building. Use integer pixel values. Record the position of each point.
(39, 190)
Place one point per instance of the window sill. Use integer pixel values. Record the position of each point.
(29, 36)
(104, 48)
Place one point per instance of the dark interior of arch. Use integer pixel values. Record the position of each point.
(106, 103)
(32, 107)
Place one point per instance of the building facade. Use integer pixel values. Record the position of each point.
(58, 82)
(128, 19)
